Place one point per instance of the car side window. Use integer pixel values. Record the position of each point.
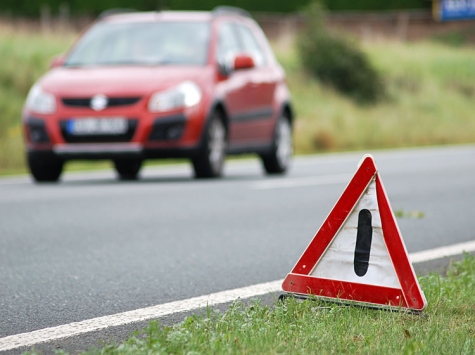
(228, 43)
(251, 45)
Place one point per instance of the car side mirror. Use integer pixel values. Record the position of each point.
(236, 62)
(243, 61)
(57, 61)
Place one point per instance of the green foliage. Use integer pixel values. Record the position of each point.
(337, 61)
(375, 5)
(32, 7)
(25, 57)
(430, 91)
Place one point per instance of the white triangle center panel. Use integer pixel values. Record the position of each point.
(338, 261)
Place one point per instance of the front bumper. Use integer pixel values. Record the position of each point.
(113, 151)
(165, 137)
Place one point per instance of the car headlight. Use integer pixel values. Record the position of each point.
(186, 94)
(40, 101)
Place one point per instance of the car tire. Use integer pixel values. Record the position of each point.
(44, 169)
(127, 169)
(280, 156)
(210, 161)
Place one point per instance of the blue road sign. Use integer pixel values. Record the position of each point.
(451, 10)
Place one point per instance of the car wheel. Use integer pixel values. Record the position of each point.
(45, 169)
(210, 161)
(278, 160)
(128, 169)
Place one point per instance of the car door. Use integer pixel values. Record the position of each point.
(260, 95)
(236, 84)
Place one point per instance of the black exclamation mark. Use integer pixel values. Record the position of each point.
(363, 242)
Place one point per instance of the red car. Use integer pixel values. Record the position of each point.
(153, 85)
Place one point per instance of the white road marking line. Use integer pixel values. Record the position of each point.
(15, 181)
(154, 312)
(90, 325)
(300, 182)
(442, 252)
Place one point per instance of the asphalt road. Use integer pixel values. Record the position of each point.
(94, 246)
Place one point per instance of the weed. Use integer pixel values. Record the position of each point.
(338, 61)
(409, 214)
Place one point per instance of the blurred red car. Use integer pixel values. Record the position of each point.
(152, 85)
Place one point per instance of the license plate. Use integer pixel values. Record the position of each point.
(97, 126)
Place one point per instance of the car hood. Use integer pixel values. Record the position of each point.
(123, 81)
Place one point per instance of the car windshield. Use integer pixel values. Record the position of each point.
(149, 43)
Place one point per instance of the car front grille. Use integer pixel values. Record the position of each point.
(101, 138)
(112, 101)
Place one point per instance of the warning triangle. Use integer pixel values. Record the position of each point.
(358, 254)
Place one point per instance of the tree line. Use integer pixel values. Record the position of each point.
(91, 7)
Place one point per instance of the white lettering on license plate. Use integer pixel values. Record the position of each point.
(97, 126)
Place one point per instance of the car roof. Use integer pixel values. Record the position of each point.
(125, 16)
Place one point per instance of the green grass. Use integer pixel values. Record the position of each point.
(26, 55)
(430, 85)
(447, 326)
(431, 89)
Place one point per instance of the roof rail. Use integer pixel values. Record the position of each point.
(226, 10)
(115, 11)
